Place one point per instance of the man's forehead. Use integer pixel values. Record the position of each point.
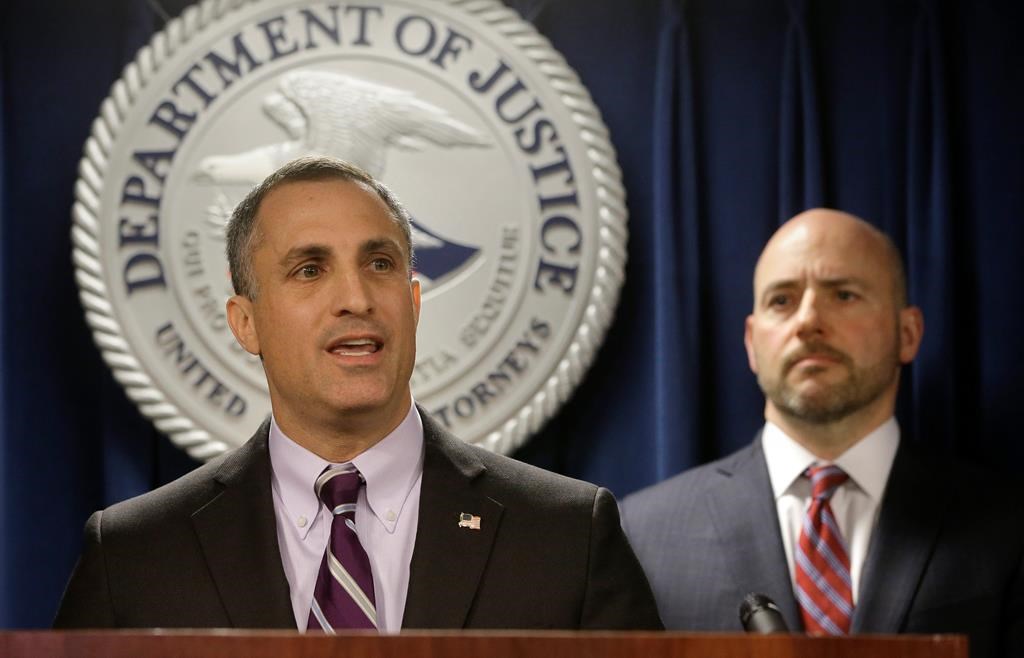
(308, 206)
(818, 267)
(329, 249)
(816, 259)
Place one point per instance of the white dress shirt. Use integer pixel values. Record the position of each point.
(855, 504)
(386, 516)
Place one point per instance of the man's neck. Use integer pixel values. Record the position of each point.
(829, 440)
(340, 438)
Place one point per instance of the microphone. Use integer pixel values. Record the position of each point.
(759, 614)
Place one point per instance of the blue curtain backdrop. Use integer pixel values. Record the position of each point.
(728, 116)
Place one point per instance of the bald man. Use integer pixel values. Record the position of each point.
(829, 512)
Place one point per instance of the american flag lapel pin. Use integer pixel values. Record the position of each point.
(470, 521)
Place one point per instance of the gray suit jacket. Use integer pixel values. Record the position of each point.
(947, 555)
(202, 551)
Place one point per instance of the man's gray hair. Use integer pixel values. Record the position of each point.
(243, 234)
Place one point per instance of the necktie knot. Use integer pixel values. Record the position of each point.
(338, 487)
(825, 480)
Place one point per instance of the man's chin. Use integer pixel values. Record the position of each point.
(362, 405)
(817, 407)
(813, 379)
(366, 400)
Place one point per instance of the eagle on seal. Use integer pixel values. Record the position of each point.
(337, 115)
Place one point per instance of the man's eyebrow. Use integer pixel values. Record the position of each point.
(783, 283)
(305, 252)
(381, 244)
(837, 282)
(840, 282)
(775, 286)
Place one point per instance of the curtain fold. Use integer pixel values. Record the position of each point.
(677, 257)
(932, 261)
(59, 63)
(5, 476)
(801, 162)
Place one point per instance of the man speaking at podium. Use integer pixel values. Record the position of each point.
(350, 508)
(829, 512)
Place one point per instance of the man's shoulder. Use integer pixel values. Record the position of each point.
(691, 485)
(514, 477)
(182, 497)
(179, 497)
(987, 492)
(500, 477)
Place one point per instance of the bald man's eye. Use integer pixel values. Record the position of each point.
(778, 300)
(845, 295)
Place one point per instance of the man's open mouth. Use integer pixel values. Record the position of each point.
(355, 347)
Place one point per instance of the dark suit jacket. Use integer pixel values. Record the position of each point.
(945, 557)
(202, 551)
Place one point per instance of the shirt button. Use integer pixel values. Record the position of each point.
(391, 516)
(302, 522)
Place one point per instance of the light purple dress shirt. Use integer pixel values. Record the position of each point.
(386, 515)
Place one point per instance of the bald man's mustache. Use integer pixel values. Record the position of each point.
(814, 349)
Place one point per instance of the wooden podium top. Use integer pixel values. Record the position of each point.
(466, 644)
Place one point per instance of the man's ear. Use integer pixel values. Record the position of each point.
(748, 342)
(416, 299)
(243, 323)
(911, 333)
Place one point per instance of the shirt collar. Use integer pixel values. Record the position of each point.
(867, 461)
(390, 468)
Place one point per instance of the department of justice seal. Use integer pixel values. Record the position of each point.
(461, 107)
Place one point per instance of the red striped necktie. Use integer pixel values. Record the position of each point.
(823, 586)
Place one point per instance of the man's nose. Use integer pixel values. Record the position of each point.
(809, 315)
(351, 295)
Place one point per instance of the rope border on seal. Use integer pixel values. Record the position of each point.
(600, 305)
(85, 231)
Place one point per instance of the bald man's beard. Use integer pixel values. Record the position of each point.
(831, 403)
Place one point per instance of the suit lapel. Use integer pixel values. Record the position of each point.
(448, 561)
(742, 509)
(238, 534)
(908, 527)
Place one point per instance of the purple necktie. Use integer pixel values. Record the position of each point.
(823, 585)
(343, 597)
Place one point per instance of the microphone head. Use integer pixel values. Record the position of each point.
(759, 614)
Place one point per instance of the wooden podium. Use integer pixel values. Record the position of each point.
(470, 644)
